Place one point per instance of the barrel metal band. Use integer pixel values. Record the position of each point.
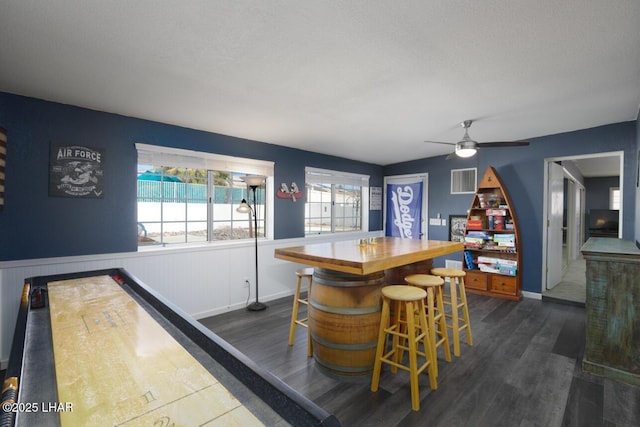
(345, 283)
(354, 346)
(342, 310)
(346, 369)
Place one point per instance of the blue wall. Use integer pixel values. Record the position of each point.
(522, 171)
(34, 225)
(597, 191)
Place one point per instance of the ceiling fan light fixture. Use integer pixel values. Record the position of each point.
(466, 149)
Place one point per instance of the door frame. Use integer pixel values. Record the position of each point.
(424, 177)
(545, 201)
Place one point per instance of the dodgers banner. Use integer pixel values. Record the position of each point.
(404, 210)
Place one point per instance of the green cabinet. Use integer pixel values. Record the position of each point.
(612, 347)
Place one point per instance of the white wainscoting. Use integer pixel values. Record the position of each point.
(203, 280)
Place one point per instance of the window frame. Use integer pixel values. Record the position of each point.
(211, 162)
(336, 178)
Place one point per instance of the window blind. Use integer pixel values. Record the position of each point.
(324, 176)
(168, 156)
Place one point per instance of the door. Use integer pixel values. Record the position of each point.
(554, 224)
(405, 207)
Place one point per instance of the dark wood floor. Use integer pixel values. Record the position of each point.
(524, 369)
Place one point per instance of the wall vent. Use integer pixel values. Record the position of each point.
(463, 181)
(449, 263)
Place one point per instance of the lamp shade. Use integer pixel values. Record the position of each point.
(465, 149)
(253, 180)
(244, 207)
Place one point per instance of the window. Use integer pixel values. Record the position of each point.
(335, 202)
(614, 198)
(186, 197)
(463, 181)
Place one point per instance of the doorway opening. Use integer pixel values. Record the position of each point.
(575, 188)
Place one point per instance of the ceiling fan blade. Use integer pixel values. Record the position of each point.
(440, 142)
(503, 144)
(451, 156)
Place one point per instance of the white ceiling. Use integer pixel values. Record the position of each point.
(362, 79)
(594, 167)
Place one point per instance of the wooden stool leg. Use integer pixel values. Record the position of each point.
(294, 311)
(395, 341)
(442, 324)
(428, 349)
(413, 359)
(431, 327)
(455, 321)
(465, 311)
(382, 340)
(309, 342)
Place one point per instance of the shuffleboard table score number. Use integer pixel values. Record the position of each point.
(117, 366)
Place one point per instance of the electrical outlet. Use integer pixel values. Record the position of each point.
(245, 283)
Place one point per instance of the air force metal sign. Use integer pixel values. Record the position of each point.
(76, 172)
(404, 210)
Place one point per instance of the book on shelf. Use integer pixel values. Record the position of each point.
(468, 258)
(508, 240)
(480, 234)
(497, 212)
(506, 267)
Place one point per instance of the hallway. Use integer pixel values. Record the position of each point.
(572, 289)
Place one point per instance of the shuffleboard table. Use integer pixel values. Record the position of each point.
(101, 348)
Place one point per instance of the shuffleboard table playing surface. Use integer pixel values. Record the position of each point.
(117, 366)
(101, 348)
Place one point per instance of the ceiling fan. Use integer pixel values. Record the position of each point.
(467, 147)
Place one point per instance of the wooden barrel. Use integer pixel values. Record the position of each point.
(344, 317)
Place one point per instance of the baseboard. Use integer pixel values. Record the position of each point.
(532, 295)
(210, 313)
(563, 301)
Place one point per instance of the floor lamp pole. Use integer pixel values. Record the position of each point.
(257, 305)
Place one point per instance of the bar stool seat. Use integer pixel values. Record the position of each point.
(457, 299)
(408, 329)
(436, 320)
(301, 273)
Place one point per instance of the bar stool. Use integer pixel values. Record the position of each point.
(457, 299)
(406, 335)
(301, 273)
(436, 321)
